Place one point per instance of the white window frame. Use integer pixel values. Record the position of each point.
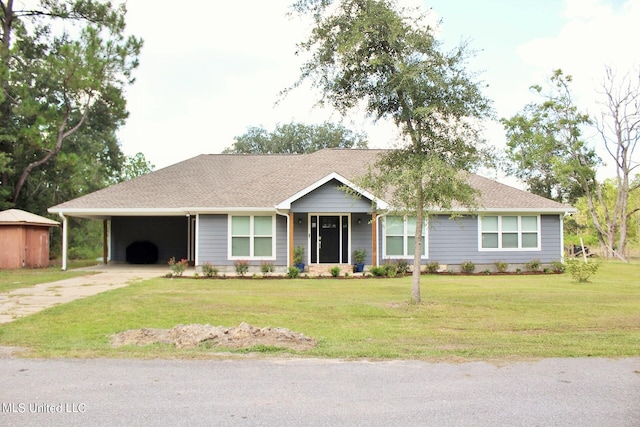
(519, 231)
(251, 237)
(425, 239)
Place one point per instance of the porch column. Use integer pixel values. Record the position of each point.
(374, 239)
(105, 242)
(290, 245)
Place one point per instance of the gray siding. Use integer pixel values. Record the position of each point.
(328, 199)
(453, 241)
(169, 234)
(213, 240)
(361, 236)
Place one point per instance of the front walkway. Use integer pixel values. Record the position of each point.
(24, 301)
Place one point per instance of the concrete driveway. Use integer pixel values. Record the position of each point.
(24, 301)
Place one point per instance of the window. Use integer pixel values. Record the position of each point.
(509, 232)
(251, 236)
(400, 237)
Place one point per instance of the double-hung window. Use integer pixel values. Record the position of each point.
(400, 235)
(509, 232)
(252, 236)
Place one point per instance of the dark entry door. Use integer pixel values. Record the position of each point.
(329, 239)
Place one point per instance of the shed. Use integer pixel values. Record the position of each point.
(24, 239)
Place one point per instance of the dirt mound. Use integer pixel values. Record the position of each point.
(190, 336)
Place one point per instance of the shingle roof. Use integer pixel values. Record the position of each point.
(17, 216)
(261, 181)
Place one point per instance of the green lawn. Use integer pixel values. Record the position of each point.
(462, 318)
(25, 277)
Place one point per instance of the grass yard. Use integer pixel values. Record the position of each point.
(25, 277)
(462, 318)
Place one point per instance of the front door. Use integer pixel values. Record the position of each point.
(329, 238)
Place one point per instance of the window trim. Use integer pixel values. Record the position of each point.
(519, 232)
(425, 239)
(252, 236)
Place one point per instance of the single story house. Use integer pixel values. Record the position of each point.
(221, 208)
(24, 239)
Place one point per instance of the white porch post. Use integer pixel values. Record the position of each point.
(65, 224)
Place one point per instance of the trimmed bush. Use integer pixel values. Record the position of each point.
(501, 266)
(209, 270)
(533, 265)
(241, 267)
(557, 266)
(433, 267)
(468, 267)
(293, 272)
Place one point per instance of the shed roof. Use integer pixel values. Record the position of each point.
(17, 216)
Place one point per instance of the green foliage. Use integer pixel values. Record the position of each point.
(374, 54)
(359, 255)
(61, 88)
(298, 254)
(293, 272)
(178, 267)
(241, 266)
(581, 271)
(335, 271)
(266, 267)
(391, 269)
(501, 266)
(533, 265)
(545, 148)
(378, 271)
(557, 266)
(297, 138)
(209, 270)
(433, 267)
(402, 266)
(467, 267)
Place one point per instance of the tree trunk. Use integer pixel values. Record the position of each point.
(416, 298)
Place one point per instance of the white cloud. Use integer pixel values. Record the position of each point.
(596, 34)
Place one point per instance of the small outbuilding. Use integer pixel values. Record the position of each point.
(24, 239)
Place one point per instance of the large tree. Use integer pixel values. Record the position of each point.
(297, 138)
(64, 66)
(377, 56)
(546, 145)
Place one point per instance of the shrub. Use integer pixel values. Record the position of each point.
(266, 267)
(581, 271)
(293, 272)
(557, 266)
(403, 266)
(501, 266)
(468, 267)
(533, 265)
(433, 267)
(391, 269)
(178, 267)
(359, 255)
(335, 271)
(241, 266)
(378, 271)
(209, 270)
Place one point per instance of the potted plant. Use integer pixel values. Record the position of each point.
(298, 257)
(359, 255)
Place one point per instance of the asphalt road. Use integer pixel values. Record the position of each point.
(304, 392)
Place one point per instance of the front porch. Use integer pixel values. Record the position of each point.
(330, 239)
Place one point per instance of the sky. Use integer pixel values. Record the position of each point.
(210, 70)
